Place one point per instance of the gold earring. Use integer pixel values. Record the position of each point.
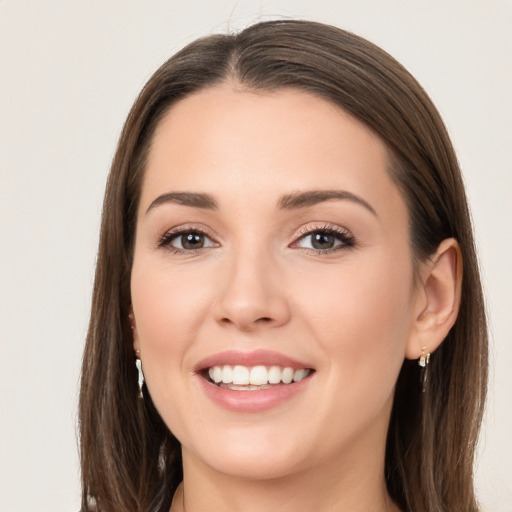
(423, 363)
(424, 358)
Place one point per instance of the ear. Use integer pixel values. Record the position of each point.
(135, 336)
(439, 299)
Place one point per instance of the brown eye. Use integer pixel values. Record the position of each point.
(191, 241)
(326, 240)
(187, 241)
(323, 241)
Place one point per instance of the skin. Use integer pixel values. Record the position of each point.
(352, 314)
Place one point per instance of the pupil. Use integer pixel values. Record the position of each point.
(323, 241)
(192, 240)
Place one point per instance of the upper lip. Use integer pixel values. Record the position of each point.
(249, 358)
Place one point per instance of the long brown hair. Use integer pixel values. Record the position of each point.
(129, 459)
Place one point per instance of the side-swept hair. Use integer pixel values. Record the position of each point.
(129, 459)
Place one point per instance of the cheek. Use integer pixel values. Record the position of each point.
(362, 318)
(167, 305)
(361, 324)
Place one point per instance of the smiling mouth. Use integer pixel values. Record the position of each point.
(254, 378)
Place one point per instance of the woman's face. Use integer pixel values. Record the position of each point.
(271, 243)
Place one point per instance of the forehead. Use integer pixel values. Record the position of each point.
(236, 143)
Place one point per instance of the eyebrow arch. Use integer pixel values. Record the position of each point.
(287, 202)
(193, 199)
(312, 197)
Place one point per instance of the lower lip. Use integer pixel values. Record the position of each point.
(252, 401)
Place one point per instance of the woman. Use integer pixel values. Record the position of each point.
(280, 317)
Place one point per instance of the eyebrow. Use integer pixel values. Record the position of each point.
(293, 201)
(312, 197)
(193, 199)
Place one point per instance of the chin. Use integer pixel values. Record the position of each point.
(250, 451)
(253, 462)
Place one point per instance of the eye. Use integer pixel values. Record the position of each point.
(325, 239)
(184, 241)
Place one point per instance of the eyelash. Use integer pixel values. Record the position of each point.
(342, 235)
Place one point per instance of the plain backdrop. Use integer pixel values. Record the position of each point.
(69, 72)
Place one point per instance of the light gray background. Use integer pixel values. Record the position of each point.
(69, 72)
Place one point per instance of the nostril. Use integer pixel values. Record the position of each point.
(262, 320)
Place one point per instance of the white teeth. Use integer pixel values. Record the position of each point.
(287, 375)
(217, 374)
(300, 374)
(227, 374)
(274, 375)
(256, 375)
(240, 375)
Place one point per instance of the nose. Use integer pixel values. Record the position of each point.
(252, 297)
